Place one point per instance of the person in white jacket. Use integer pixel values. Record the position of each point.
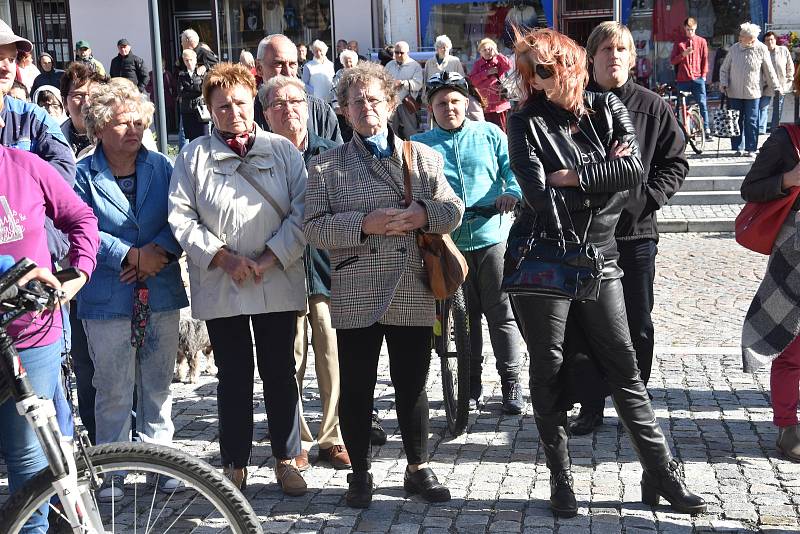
(318, 73)
(782, 62)
(407, 73)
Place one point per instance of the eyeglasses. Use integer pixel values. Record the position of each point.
(447, 79)
(362, 102)
(280, 105)
(399, 53)
(544, 71)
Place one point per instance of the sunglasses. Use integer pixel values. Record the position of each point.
(544, 71)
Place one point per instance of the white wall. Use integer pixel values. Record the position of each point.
(404, 22)
(785, 15)
(104, 22)
(353, 21)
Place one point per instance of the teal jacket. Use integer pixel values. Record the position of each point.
(477, 166)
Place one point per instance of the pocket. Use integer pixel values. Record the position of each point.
(100, 288)
(344, 263)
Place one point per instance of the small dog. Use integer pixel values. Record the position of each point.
(193, 344)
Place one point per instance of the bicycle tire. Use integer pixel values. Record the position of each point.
(697, 130)
(200, 478)
(454, 356)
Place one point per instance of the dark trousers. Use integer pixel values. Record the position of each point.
(605, 323)
(193, 127)
(84, 371)
(484, 297)
(637, 259)
(409, 360)
(233, 354)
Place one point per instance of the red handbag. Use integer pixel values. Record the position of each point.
(758, 224)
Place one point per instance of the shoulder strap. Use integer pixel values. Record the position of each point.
(248, 172)
(407, 162)
(794, 134)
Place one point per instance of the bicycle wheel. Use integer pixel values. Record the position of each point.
(209, 503)
(696, 130)
(454, 354)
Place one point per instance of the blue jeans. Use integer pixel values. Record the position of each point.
(777, 111)
(118, 367)
(748, 123)
(698, 89)
(763, 113)
(20, 448)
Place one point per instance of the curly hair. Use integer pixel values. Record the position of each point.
(106, 101)
(560, 54)
(225, 76)
(365, 73)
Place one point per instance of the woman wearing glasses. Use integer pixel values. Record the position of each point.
(355, 209)
(583, 145)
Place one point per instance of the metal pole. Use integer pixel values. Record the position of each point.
(158, 78)
(617, 10)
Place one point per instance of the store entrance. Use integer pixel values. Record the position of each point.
(199, 21)
(579, 29)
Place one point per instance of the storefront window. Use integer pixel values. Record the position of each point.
(466, 23)
(243, 23)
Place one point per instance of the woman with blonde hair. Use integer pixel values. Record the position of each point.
(566, 142)
(486, 74)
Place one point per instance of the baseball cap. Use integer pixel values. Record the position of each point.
(447, 80)
(123, 42)
(82, 44)
(7, 36)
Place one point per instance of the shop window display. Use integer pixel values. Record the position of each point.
(245, 22)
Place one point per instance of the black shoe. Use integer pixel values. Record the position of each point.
(377, 436)
(667, 482)
(513, 400)
(476, 404)
(562, 497)
(425, 483)
(585, 422)
(359, 489)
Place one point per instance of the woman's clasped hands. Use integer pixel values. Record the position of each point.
(395, 221)
(241, 268)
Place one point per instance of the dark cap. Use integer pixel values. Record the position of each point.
(82, 44)
(7, 36)
(123, 42)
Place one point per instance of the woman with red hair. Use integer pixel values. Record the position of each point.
(581, 146)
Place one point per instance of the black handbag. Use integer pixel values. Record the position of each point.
(560, 266)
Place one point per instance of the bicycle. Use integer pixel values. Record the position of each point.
(206, 501)
(452, 344)
(689, 118)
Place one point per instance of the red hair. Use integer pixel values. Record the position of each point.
(558, 53)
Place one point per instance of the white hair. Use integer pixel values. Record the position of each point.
(444, 41)
(319, 45)
(750, 29)
(264, 43)
(402, 44)
(190, 36)
(246, 59)
(348, 53)
(275, 83)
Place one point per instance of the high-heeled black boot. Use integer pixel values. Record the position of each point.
(668, 482)
(555, 441)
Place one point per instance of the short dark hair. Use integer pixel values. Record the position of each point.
(770, 34)
(79, 73)
(19, 85)
(690, 21)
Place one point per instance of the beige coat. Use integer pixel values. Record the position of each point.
(782, 62)
(376, 278)
(742, 71)
(212, 204)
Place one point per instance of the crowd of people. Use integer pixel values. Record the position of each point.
(296, 198)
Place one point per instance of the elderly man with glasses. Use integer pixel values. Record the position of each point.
(408, 83)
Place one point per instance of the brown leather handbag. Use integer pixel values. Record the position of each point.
(411, 104)
(446, 266)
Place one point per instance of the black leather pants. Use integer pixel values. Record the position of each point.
(605, 326)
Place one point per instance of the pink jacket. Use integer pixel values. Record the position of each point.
(488, 85)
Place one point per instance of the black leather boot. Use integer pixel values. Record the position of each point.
(668, 482)
(586, 421)
(555, 442)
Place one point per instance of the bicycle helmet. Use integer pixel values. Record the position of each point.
(446, 80)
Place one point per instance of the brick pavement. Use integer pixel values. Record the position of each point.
(717, 418)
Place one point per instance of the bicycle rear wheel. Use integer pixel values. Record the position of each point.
(454, 352)
(209, 503)
(696, 131)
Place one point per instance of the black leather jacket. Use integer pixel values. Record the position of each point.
(539, 143)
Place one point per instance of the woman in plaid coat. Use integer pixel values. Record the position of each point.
(355, 210)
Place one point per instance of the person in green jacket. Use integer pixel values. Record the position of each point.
(476, 164)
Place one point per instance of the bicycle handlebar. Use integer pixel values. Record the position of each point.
(33, 297)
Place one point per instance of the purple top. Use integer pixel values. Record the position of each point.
(30, 190)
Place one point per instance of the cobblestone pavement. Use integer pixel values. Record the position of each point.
(699, 211)
(717, 419)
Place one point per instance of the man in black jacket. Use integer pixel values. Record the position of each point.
(129, 65)
(612, 54)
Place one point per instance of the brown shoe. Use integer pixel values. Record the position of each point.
(237, 475)
(301, 461)
(290, 480)
(336, 456)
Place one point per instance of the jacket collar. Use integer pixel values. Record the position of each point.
(106, 183)
(226, 161)
(395, 161)
(624, 92)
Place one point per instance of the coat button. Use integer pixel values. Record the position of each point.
(373, 250)
(586, 203)
(402, 250)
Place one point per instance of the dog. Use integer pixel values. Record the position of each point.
(193, 344)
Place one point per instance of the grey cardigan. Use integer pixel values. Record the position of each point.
(742, 71)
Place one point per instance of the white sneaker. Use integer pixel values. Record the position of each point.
(112, 489)
(166, 484)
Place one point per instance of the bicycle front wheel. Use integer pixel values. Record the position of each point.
(696, 130)
(454, 354)
(208, 502)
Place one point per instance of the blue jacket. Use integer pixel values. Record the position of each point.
(477, 166)
(122, 227)
(29, 127)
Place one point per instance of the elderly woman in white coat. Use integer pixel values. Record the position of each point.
(441, 62)
(318, 73)
(236, 208)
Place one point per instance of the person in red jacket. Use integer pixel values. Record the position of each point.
(486, 75)
(690, 57)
